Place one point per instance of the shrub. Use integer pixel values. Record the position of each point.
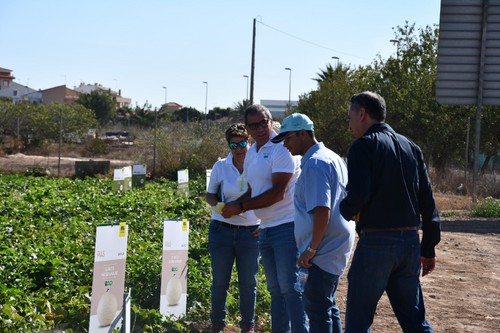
(97, 147)
(488, 207)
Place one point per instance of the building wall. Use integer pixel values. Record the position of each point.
(6, 78)
(60, 94)
(117, 97)
(17, 92)
(278, 107)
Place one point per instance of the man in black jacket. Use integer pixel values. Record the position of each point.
(390, 196)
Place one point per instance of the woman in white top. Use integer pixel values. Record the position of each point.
(235, 238)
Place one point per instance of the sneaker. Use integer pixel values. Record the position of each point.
(217, 328)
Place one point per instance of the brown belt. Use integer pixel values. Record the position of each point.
(390, 229)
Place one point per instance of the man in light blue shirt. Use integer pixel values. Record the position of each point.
(324, 238)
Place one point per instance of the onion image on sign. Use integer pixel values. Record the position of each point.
(174, 290)
(106, 309)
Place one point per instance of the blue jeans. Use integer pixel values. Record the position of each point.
(390, 262)
(279, 255)
(320, 301)
(227, 245)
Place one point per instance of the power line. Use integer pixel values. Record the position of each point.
(309, 42)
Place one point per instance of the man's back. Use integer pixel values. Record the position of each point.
(388, 181)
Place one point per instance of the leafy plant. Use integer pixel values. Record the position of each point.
(47, 252)
(488, 207)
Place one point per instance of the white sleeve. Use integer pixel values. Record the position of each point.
(213, 184)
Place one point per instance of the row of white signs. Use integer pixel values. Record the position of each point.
(128, 177)
(109, 274)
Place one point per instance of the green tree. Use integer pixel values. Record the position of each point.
(407, 82)
(101, 102)
(327, 75)
(187, 114)
(46, 122)
(240, 107)
(34, 124)
(490, 134)
(143, 116)
(217, 113)
(327, 107)
(17, 120)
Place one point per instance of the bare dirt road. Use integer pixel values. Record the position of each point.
(65, 167)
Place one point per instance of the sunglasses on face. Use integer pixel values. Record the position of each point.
(235, 145)
(262, 123)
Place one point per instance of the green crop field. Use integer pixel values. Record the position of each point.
(47, 252)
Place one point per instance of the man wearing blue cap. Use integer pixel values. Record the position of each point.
(324, 238)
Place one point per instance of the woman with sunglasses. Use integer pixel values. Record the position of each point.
(235, 238)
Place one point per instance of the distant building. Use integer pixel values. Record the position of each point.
(15, 91)
(117, 96)
(6, 78)
(171, 107)
(60, 94)
(278, 107)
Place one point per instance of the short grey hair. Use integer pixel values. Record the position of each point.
(255, 109)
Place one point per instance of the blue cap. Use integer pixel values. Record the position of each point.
(292, 123)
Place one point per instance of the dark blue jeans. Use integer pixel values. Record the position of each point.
(320, 301)
(386, 261)
(227, 245)
(279, 256)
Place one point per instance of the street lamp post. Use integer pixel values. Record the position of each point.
(165, 95)
(289, 87)
(396, 42)
(247, 85)
(337, 62)
(206, 98)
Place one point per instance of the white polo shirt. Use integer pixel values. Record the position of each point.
(233, 184)
(258, 169)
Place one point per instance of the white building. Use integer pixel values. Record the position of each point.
(278, 107)
(15, 91)
(117, 96)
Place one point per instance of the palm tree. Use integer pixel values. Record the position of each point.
(240, 107)
(326, 75)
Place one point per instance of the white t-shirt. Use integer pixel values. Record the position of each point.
(233, 185)
(258, 169)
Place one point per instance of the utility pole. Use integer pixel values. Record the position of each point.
(252, 69)
(289, 88)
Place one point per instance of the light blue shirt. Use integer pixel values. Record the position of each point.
(322, 183)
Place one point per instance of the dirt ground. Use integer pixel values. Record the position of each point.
(65, 168)
(463, 292)
(461, 295)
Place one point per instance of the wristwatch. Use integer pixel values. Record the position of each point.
(311, 250)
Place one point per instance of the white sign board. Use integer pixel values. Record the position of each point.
(183, 181)
(173, 294)
(138, 175)
(208, 173)
(109, 277)
(122, 179)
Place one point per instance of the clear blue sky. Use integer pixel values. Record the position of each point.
(141, 46)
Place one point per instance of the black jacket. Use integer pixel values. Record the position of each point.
(389, 186)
